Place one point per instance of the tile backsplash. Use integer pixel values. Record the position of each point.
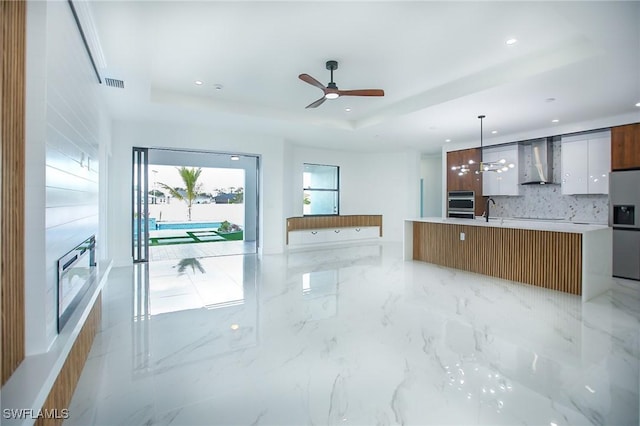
(547, 201)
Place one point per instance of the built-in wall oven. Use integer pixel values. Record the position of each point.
(461, 204)
(624, 218)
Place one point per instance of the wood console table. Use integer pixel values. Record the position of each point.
(333, 222)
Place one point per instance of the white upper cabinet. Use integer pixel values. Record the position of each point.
(505, 183)
(575, 164)
(586, 162)
(490, 181)
(599, 165)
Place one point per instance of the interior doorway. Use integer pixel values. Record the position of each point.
(191, 204)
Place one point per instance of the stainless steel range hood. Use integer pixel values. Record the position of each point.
(538, 162)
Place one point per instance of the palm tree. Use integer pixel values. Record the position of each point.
(190, 178)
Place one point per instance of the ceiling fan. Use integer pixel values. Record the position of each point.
(332, 91)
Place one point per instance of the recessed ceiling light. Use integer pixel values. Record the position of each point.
(235, 158)
(511, 41)
(550, 100)
(234, 327)
(555, 120)
(198, 82)
(638, 104)
(447, 140)
(494, 131)
(347, 109)
(218, 86)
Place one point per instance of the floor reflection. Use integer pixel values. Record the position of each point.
(191, 310)
(190, 262)
(320, 290)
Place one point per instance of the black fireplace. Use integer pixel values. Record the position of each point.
(76, 273)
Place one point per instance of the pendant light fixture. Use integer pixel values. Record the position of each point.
(499, 166)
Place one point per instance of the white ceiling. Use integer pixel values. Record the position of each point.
(441, 64)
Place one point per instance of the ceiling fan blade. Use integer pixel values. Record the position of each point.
(363, 92)
(317, 103)
(312, 81)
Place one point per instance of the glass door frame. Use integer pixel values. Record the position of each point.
(140, 205)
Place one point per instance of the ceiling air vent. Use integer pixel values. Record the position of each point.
(112, 82)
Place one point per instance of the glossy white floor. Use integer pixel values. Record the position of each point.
(354, 336)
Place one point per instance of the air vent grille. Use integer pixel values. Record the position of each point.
(112, 82)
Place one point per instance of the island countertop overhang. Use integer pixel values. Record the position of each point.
(536, 225)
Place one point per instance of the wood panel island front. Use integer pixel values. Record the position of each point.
(563, 256)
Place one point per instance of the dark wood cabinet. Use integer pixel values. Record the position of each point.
(470, 181)
(625, 147)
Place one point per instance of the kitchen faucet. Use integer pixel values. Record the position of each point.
(486, 212)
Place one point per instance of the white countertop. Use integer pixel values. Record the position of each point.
(540, 225)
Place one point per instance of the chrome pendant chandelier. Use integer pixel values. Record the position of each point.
(499, 166)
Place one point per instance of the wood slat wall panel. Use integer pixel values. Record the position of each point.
(320, 222)
(60, 395)
(546, 259)
(12, 116)
(468, 182)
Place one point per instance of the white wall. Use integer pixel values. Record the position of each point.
(126, 135)
(431, 175)
(370, 183)
(64, 127)
(35, 129)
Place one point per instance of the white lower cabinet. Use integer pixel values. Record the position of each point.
(586, 162)
(309, 237)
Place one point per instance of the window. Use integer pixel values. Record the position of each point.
(321, 190)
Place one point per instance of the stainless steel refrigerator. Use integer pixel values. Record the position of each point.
(624, 218)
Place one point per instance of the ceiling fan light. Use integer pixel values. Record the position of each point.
(331, 95)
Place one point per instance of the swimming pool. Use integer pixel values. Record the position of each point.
(188, 225)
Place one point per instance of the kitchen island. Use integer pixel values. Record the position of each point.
(569, 257)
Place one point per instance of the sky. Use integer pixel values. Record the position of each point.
(210, 178)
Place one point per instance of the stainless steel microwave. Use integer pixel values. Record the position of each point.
(461, 204)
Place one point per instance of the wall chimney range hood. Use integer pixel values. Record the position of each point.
(538, 162)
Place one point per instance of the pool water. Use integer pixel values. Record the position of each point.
(188, 225)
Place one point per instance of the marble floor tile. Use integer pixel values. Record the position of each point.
(354, 335)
